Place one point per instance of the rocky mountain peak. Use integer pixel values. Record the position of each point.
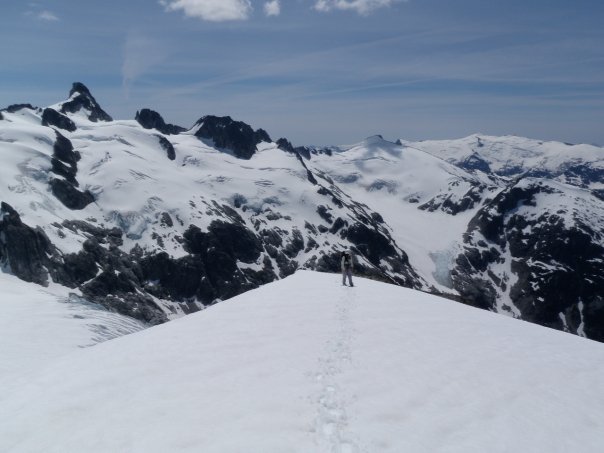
(80, 88)
(150, 119)
(80, 98)
(227, 133)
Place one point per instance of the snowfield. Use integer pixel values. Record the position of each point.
(306, 365)
(41, 324)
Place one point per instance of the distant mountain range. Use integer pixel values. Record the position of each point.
(155, 220)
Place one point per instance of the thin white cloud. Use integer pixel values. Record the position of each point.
(140, 55)
(272, 8)
(47, 16)
(211, 10)
(36, 13)
(362, 7)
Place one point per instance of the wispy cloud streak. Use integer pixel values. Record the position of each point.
(211, 10)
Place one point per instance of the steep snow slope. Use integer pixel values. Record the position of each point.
(305, 365)
(39, 325)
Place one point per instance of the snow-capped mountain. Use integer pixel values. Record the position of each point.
(537, 251)
(155, 220)
(580, 165)
(155, 225)
(305, 365)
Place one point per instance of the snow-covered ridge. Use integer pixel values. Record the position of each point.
(579, 164)
(306, 365)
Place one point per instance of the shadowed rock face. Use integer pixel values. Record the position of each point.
(556, 270)
(51, 117)
(14, 108)
(30, 255)
(167, 146)
(475, 162)
(64, 163)
(25, 251)
(69, 195)
(150, 119)
(232, 135)
(81, 98)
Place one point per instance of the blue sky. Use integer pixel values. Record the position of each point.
(321, 71)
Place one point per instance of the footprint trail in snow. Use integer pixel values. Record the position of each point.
(331, 423)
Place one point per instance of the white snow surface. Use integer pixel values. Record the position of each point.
(514, 154)
(307, 365)
(40, 324)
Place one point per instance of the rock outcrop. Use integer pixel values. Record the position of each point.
(529, 253)
(235, 136)
(80, 98)
(150, 119)
(64, 163)
(50, 117)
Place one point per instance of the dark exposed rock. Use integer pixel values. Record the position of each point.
(262, 136)
(285, 145)
(373, 244)
(583, 174)
(24, 251)
(64, 163)
(233, 135)
(167, 146)
(137, 306)
(211, 271)
(475, 162)
(234, 240)
(556, 268)
(271, 237)
(337, 225)
(63, 150)
(451, 204)
(62, 169)
(328, 150)
(310, 245)
(323, 211)
(295, 245)
(310, 227)
(69, 195)
(14, 108)
(300, 151)
(150, 119)
(166, 220)
(177, 278)
(377, 218)
(51, 117)
(328, 193)
(64, 159)
(303, 151)
(81, 98)
(112, 236)
(79, 267)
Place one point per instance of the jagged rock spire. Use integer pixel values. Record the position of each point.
(81, 98)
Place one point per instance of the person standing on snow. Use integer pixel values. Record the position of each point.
(347, 268)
